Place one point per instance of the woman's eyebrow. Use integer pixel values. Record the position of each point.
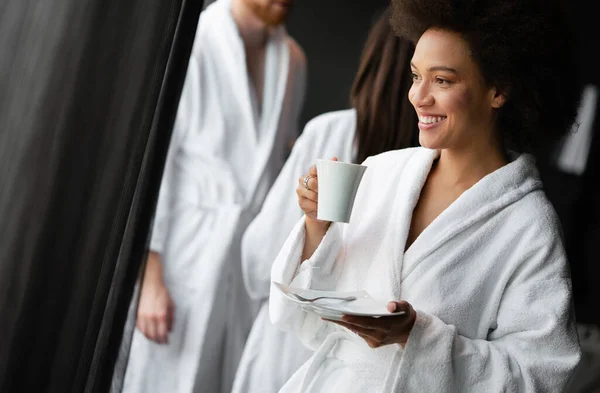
(438, 68)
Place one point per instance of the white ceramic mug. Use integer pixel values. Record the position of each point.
(338, 184)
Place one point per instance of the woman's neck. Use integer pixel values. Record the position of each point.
(253, 31)
(466, 166)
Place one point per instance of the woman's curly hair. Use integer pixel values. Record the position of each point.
(523, 47)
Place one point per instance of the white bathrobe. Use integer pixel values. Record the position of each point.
(271, 356)
(488, 279)
(224, 156)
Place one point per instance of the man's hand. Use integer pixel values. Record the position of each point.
(156, 308)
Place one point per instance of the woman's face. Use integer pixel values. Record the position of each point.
(454, 105)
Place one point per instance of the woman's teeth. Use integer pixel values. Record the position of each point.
(431, 119)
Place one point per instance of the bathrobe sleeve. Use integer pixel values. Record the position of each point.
(325, 135)
(533, 348)
(187, 118)
(318, 272)
(321, 271)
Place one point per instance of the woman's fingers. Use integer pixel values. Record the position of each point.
(312, 182)
(399, 306)
(307, 194)
(307, 205)
(369, 322)
(308, 198)
(373, 337)
(360, 330)
(384, 323)
(385, 330)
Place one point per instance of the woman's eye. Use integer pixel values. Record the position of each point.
(442, 81)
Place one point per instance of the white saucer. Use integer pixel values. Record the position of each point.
(363, 306)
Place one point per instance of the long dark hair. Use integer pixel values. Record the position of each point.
(385, 119)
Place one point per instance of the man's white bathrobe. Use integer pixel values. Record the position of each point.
(271, 356)
(224, 155)
(488, 279)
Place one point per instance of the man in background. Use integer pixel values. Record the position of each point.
(237, 116)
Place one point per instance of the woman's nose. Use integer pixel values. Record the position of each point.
(420, 95)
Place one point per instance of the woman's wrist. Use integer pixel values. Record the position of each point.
(411, 323)
(317, 227)
(315, 232)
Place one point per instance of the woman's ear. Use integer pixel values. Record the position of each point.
(498, 98)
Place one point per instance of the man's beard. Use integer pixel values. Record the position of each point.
(271, 15)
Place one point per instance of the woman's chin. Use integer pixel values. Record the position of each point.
(429, 143)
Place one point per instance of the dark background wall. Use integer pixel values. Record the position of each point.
(585, 23)
(332, 34)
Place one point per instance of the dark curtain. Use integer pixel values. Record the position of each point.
(88, 95)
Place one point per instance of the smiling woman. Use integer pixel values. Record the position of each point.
(458, 233)
(527, 58)
(454, 105)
